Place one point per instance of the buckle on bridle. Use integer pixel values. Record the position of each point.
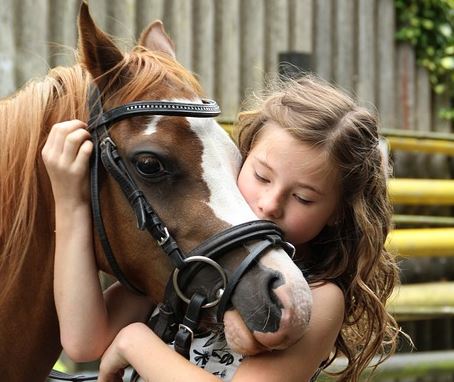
(187, 329)
(164, 239)
(106, 140)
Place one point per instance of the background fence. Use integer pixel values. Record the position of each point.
(233, 45)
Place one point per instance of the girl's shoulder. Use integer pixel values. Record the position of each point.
(328, 298)
(327, 288)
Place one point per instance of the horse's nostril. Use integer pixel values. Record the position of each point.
(275, 281)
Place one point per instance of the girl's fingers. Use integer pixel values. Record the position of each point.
(83, 156)
(61, 131)
(73, 144)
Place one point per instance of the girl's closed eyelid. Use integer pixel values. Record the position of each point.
(303, 200)
(260, 178)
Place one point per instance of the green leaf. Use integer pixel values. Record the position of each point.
(447, 62)
(445, 30)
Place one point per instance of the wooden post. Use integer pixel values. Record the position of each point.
(323, 38)
(7, 49)
(227, 57)
(252, 46)
(148, 11)
(63, 31)
(301, 18)
(276, 33)
(179, 25)
(366, 53)
(386, 84)
(204, 46)
(31, 36)
(345, 44)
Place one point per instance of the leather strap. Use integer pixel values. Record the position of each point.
(235, 237)
(96, 210)
(257, 250)
(164, 323)
(146, 216)
(185, 334)
(206, 109)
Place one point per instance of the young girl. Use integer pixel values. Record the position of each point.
(312, 164)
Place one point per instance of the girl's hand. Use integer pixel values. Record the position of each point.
(66, 156)
(113, 362)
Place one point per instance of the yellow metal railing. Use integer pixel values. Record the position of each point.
(419, 242)
(419, 141)
(421, 191)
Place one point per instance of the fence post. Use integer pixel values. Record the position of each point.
(7, 49)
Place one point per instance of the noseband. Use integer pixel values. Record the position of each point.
(264, 234)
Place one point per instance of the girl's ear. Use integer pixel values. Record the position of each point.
(154, 37)
(98, 52)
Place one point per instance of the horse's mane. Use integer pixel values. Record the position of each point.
(25, 120)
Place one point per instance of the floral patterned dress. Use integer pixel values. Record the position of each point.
(213, 354)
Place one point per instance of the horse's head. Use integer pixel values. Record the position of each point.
(186, 167)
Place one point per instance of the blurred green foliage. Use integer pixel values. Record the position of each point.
(429, 26)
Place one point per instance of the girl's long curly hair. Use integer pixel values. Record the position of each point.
(350, 253)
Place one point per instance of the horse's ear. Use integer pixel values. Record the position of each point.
(154, 37)
(97, 50)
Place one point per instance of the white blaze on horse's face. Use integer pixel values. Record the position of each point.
(246, 333)
(221, 161)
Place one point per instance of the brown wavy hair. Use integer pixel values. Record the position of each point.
(351, 253)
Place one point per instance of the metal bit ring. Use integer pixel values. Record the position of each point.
(208, 261)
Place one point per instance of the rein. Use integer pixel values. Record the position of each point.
(167, 325)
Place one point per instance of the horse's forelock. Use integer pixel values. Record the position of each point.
(146, 70)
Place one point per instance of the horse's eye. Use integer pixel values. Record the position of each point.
(149, 166)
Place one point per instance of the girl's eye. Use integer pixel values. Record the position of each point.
(302, 200)
(261, 178)
(149, 166)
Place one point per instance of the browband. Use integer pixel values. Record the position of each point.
(207, 109)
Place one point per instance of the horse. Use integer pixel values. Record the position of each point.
(185, 166)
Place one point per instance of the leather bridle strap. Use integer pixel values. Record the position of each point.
(235, 237)
(207, 109)
(185, 334)
(97, 215)
(256, 251)
(146, 216)
(239, 234)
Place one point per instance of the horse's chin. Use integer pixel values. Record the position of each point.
(244, 341)
(239, 338)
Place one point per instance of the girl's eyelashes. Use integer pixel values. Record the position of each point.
(260, 178)
(302, 200)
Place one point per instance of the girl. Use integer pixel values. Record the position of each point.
(313, 166)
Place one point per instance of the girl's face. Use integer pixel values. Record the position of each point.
(290, 183)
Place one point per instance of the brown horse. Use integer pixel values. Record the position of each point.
(185, 166)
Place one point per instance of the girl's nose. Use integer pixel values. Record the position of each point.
(270, 206)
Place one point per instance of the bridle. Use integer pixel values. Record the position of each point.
(264, 234)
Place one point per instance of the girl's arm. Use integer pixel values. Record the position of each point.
(300, 362)
(155, 361)
(87, 323)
